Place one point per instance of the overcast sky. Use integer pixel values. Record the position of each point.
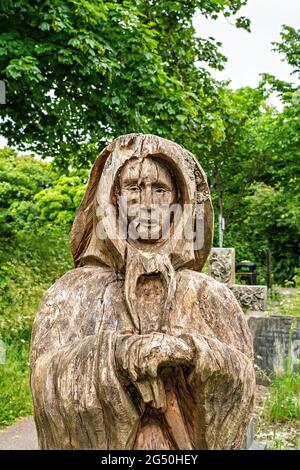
(250, 54)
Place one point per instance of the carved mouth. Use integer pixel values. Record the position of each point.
(148, 223)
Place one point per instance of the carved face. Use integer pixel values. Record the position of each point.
(146, 191)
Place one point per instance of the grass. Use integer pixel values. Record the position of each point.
(15, 397)
(285, 304)
(278, 413)
(24, 277)
(283, 403)
(16, 315)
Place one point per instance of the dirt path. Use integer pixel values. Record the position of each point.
(20, 436)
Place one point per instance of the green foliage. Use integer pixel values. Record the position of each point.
(34, 252)
(21, 177)
(31, 266)
(15, 397)
(295, 281)
(255, 181)
(290, 46)
(58, 204)
(27, 269)
(233, 163)
(283, 403)
(254, 172)
(33, 195)
(269, 221)
(80, 72)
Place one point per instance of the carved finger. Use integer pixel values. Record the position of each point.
(151, 369)
(132, 365)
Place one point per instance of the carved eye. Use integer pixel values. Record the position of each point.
(160, 190)
(134, 189)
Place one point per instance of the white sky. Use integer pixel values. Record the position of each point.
(250, 54)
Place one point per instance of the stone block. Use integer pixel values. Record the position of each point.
(221, 265)
(250, 442)
(276, 341)
(251, 297)
(258, 445)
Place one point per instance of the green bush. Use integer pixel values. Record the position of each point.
(25, 273)
(15, 397)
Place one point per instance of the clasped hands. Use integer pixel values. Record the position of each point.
(141, 356)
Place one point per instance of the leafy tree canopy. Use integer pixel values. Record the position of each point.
(84, 71)
(289, 48)
(34, 197)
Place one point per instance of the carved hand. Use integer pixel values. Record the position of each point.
(160, 350)
(143, 357)
(140, 357)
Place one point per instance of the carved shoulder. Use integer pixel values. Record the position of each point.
(69, 309)
(215, 310)
(70, 290)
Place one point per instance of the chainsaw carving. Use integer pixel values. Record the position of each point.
(135, 348)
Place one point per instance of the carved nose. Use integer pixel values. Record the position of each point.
(146, 198)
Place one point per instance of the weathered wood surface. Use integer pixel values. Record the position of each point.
(133, 349)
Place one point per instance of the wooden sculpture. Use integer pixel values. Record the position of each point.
(135, 348)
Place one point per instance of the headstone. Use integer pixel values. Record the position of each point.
(251, 297)
(221, 265)
(276, 342)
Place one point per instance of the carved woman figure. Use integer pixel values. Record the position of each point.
(135, 348)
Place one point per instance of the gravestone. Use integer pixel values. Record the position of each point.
(250, 442)
(221, 266)
(276, 342)
(135, 348)
(251, 297)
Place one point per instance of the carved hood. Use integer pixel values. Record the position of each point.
(85, 245)
(95, 215)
